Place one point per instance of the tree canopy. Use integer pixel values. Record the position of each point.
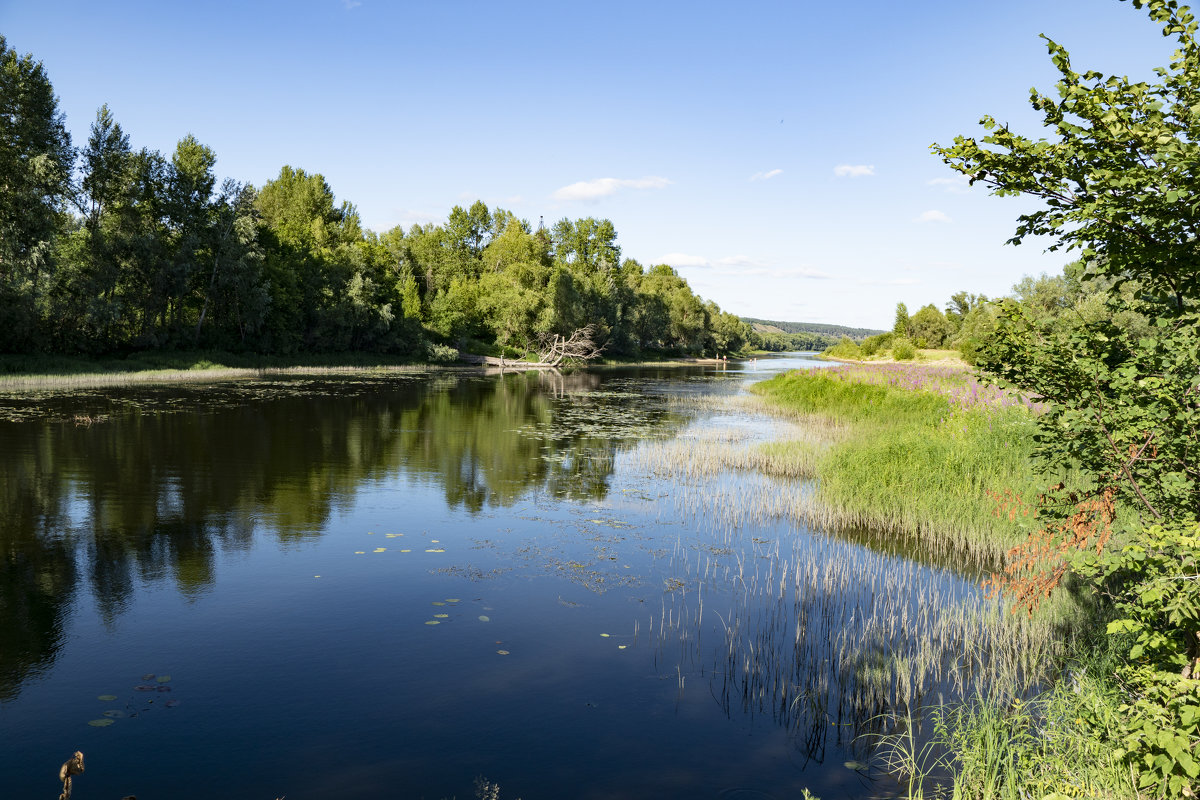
(1119, 183)
(112, 248)
(1113, 350)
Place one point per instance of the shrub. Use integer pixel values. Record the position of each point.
(903, 350)
(968, 350)
(846, 348)
(873, 344)
(440, 353)
(1154, 583)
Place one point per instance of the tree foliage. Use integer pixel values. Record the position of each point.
(115, 249)
(1118, 187)
(35, 169)
(1119, 370)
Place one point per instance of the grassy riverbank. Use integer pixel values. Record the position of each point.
(918, 451)
(927, 453)
(34, 372)
(182, 360)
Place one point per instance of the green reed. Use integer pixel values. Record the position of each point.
(911, 462)
(823, 632)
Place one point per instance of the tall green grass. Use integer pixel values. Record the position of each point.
(920, 463)
(911, 462)
(1055, 745)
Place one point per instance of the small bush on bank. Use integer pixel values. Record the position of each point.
(903, 350)
(846, 348)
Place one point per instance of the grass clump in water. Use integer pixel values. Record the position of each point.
(922, 454)
(1057, 744)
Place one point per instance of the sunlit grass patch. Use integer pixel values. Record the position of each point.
(924, 451)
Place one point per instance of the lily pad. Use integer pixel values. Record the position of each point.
(442, 616)
(406, 551)
(622, 646)
(163, 679)
(435, 550)
(100, 723)
(145, 687)
(484, 618)
(452, 600)
(360, 552)
(107, 697)
(432, 622)
(502, 652)
(379, 550)
(438, 603)
(605, 635)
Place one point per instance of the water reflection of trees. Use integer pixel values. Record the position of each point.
(171, 478)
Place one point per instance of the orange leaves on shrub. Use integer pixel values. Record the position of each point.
(1038, 565)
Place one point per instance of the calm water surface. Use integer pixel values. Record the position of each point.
(366, 587)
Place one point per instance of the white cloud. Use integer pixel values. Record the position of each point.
(889, 282)
(765, 176)
(514, 199)
(808, 273)
(740, 266)
(603, 187)
(937, 266)
(406, 217)
(349, 4)
(684, 260)
(932, 215)
(854, 170)
(955, 185)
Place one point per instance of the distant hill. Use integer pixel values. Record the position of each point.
(835, 331)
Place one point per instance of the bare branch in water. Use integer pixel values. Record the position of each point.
(71, 767)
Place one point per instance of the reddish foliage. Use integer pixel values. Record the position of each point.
(1036, 567)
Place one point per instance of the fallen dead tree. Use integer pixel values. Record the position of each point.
(555, 350)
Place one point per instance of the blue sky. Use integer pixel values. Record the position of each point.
(776, 153)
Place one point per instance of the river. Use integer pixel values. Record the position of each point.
(388, 585)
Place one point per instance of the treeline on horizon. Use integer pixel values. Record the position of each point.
(109, 249)
(778, 336)
(970, 322)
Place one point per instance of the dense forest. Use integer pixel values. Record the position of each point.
(777, 336)
(969, 323)
(106, 248)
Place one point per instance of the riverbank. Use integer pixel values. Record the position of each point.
(950, 358)
(921, 452)
(34, 372)
(927, 453)
(24, 373)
